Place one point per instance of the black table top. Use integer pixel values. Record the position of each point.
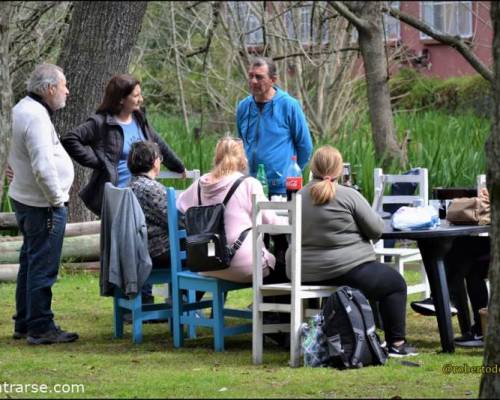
(444, 230)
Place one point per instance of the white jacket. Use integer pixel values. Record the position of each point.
(43, 171)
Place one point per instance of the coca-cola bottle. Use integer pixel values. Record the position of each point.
(293, 178)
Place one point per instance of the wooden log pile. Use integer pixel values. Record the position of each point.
(81, 248)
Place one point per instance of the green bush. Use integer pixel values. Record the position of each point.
(411, 90)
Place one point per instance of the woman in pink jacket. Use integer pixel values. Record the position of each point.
(229, 164)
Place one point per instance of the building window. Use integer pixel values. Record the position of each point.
(391, 24)
(247, 22)
(449, 17)
(298, 23)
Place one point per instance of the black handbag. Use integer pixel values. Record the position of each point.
(206, 244)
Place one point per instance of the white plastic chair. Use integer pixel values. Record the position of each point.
(295, 288)
(192, 174)
(401, 256)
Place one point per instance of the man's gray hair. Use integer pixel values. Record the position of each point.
(43, 76)
(261, 61)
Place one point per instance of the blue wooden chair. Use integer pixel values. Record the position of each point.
(122, 303)
(141, 312)
(184, 279)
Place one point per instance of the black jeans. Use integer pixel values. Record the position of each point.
(43, 233)
(383, 284)
(469, 259)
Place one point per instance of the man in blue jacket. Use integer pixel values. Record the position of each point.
(272, 125)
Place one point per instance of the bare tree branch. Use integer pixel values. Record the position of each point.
(313, 54)
(453, 41)
(343, 10)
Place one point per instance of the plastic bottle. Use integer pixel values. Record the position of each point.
(293, 178)
(262, 178)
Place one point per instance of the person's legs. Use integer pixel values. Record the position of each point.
(38, 269)
(44, 254)
(20, 325)
(469, 259)
(383, 284)
(160, 261)
(478, 291)
(43, 231)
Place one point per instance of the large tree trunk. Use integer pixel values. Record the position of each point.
(5, 92)
(98, 45)
(366, 16)
(372, 46)
(490, 382)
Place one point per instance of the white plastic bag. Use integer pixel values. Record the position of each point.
(413, 218)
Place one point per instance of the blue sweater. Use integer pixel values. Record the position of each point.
(272, 136)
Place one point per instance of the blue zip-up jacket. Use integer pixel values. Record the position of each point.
(272, 136)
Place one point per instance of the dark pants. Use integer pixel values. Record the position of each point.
(161, 261)
(43, 233)
(469, 259)
(383, 284)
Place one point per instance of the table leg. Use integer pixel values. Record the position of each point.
(433, 251)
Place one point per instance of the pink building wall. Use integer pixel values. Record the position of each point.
(443, 61)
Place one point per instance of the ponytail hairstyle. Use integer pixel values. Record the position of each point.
(326, 166)
(229, 157)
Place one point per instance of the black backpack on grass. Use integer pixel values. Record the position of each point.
(206, 244)
(350, 330)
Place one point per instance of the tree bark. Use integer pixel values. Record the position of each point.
(6, 92)
(367, 17)
(490, 382)
(98, 45)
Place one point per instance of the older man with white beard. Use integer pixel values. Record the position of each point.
(43, 174)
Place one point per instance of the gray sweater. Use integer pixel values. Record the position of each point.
(336, 235)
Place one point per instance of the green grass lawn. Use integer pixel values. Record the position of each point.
(116, 368)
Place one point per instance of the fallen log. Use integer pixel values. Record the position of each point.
(10, 238)
(8, 220)
(8, 272)
(89, 266)
(72, 229)
(77, 248)
(82, 228)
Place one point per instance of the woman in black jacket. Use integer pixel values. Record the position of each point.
(103, 141)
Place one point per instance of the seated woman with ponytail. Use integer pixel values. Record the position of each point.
(337, 226)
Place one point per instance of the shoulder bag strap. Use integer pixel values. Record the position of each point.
(233, 189)
(369, 322)
(237, 244)
(357, 327)
(199, 193)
